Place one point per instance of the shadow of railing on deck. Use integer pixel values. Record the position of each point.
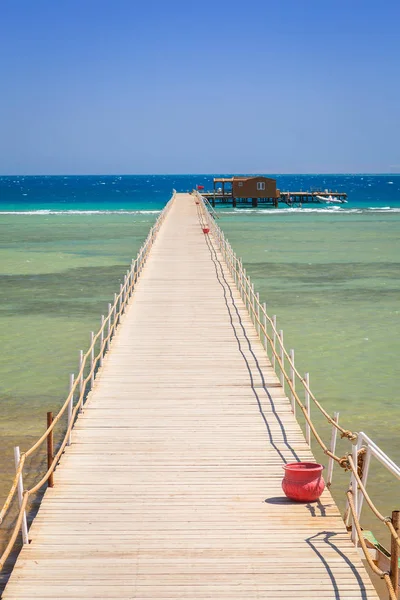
(325, 537)
(226, 286)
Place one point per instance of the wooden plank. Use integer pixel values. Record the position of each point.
(172, 485)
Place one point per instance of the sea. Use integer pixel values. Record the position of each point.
(331, 274)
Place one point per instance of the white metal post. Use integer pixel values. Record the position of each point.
(70, 406)
(115, 311)
(292, 381)
(241, 278)
(102, 341)
(367, 461)
(265, 326)
(134, 274)
(329, 475)
(129, 282)
(354, 488)
(92, 359)
(308, 408)
(282, 356)
(24, 524)
(108, 325)
(140, 261)
(253, 303)
(258, 315)
(274, 342)
(80, 378)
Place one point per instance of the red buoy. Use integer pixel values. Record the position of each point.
(303, 481)
(206, 229)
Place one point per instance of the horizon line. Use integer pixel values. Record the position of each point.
(372, 173)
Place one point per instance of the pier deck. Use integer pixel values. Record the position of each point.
(172, 485)
(286, 198)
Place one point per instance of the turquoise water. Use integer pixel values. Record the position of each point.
(331, 274)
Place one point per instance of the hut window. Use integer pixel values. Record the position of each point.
(240, 183)
(261, 185)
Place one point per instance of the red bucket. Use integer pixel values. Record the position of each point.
(206, 230)
(303, 481)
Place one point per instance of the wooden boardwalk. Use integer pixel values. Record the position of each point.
(171, 488)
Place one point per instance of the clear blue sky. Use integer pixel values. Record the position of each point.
(131, 86)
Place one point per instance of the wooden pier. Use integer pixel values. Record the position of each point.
(171, 487)
(286, 198)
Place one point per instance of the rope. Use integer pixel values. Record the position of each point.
(243, 278)
(386, 520)
(382, 574)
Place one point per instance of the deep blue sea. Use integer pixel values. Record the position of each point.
(150, 192)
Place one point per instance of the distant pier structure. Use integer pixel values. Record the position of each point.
(255, 190)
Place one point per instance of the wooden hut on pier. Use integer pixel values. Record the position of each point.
(244, 189)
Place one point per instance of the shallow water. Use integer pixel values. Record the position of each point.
(332, 276)
(334, 283)
(57, 276)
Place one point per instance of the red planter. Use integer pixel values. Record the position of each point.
(206, 229)
(303, 481)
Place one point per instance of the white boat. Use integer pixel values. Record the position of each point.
(331, 199)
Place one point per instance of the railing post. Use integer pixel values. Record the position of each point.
(132, 278)
(115, 312)
(308, 408)
(70, 406)
(102, 341)
(282, 357)
(367, 462)
(24, 524)
(134, 274)
(394, 554)
(108, 326)
(292, 381)
(91, 359)
(241, 278)
(265, 326)
(244, 288)
(80, 378)
(50, 449)
(354, 488)
(139, 263)
(121, 298)
(329, 475)
(258, 315)
(253, 304)
(274, 342)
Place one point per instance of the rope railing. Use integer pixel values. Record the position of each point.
(210, 208)
(79, 389)
(260, 319)
(283, 363)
